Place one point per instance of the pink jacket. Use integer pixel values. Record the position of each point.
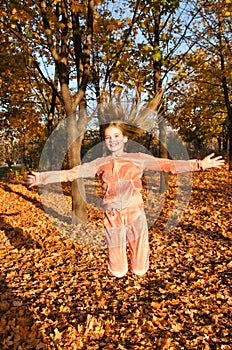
(120, 175)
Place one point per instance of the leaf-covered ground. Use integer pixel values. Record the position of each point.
(56, 293)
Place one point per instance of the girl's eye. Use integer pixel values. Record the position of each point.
(113, 136)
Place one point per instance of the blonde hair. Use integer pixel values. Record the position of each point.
(132, 119)
(130, 131)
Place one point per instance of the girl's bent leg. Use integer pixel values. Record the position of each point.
(137, 237)
(117, 263)
(116, 243)
(139, 255)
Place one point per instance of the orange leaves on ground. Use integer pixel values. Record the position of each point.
(57, 294)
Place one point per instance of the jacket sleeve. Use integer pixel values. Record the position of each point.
(168, 165)
(80, 171)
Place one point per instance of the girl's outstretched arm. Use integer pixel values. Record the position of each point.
(80, 171)
(44, 178)
(149, 162)
(209, 161)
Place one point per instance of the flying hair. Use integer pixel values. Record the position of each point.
(132, 118)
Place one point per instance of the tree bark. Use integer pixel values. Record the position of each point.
(226, 97)
(230, 140)
(79, 212)
(229, 112)
(157, 87)
(163, 153)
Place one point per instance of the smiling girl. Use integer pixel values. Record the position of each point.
(121, 173)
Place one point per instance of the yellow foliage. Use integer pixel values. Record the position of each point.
(110, 27)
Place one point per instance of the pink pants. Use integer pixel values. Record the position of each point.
(128, 226)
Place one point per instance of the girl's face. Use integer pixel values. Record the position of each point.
(115, 140)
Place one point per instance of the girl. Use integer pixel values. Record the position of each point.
(121, 173)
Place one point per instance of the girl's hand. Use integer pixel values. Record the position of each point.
(31, 179)
(212, 162)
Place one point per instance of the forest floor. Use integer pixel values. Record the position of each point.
(57, 294)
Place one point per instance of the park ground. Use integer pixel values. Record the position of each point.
(56, 293)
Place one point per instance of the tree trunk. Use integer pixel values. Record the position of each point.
(157, 87)
(227, 101)
(163, 153)
(61, 44)
(230, 142)
(229, 112)
(79, 212)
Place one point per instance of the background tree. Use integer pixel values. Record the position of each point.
(68, 28)
(199, 117)
(20, 117)
(162, 32)
(57, 32)
(202, 91)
